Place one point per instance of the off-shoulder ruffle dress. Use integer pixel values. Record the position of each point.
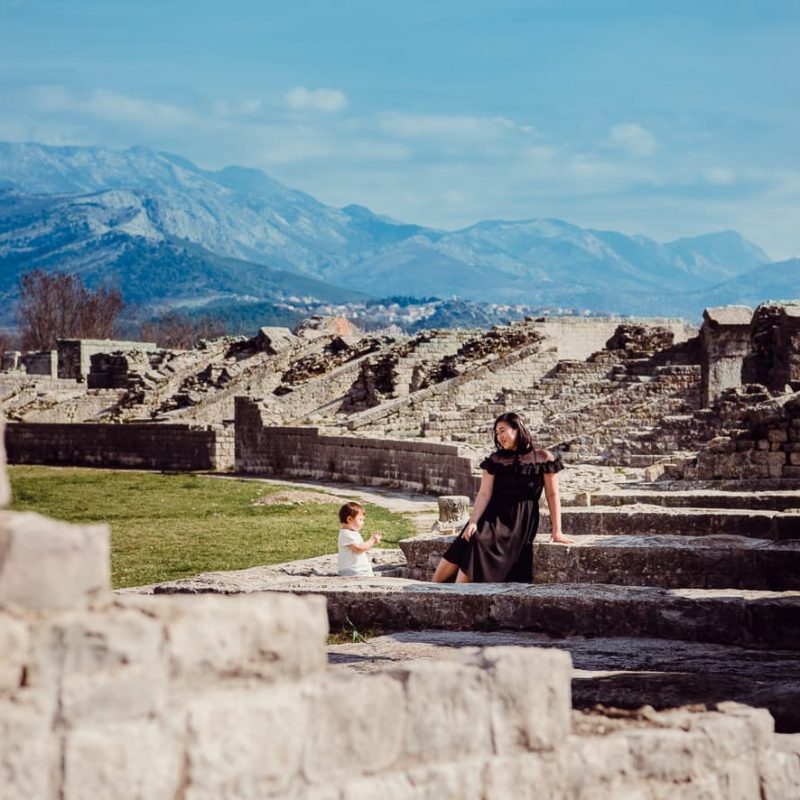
(501, 550)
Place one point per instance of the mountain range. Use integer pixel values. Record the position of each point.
(168, 233)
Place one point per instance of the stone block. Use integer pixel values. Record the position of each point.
(112, 665)
(122, 760)
(356, 724)
(601, 768)
(448, 711)
(50, 564)
(779, 767)
(531, 776)
(246, 744)
(267, 636)
(388, 786)
(14, 652)
(530, 697)
(29, 752)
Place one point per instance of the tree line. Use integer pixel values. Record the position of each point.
(58, 305)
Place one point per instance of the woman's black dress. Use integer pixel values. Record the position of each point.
(501, 548)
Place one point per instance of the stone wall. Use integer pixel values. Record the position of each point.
(304, 452)
(42, 363)
(140, 446)
(725, 343)
(578, 337)
(74, 355)
(766, 447)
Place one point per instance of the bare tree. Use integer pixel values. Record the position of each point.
(181, 332)
(56, 305)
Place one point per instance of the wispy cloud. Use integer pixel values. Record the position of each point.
(326, 100)
(421, 126)
(111, 106)
(719, 176)
(632, 138)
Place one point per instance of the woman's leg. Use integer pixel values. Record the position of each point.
(462, 577)
(444, 571)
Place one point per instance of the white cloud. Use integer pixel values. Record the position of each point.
(632, 138)
(719, 176)
(111, 107)
(420, 126)
(327, 100)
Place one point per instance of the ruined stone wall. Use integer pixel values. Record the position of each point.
(43, 363)
(74, 355)
(460, 405)
(303, 452)
(766, 447)
(21, 394)
(140, 446)
(578, 337)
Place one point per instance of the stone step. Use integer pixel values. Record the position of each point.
(702, 562)
(711, 498)
(745, 618)
(642, 520)
(616, 672)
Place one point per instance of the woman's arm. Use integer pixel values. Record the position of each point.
(481, 501)
(554, 504)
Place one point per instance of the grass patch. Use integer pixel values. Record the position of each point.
(165, 527)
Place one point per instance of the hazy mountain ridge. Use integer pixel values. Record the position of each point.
(80, 208)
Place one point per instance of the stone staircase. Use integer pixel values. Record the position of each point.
(729, 556)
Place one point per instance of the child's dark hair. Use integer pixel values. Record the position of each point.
(524, 438)
(349, 510)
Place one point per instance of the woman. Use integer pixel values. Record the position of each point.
(496, 543)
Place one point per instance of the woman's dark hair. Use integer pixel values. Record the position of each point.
(524, 438)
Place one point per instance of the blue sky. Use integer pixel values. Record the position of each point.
(666, 119)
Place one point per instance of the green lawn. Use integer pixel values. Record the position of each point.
(169, 526)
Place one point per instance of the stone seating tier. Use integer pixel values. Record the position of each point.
(746, 618)
(672, 562)
(778, 500)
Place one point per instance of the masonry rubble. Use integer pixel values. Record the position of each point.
(653, 396)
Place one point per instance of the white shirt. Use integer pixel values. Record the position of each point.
(351, 563)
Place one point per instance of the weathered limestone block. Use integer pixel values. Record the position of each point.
(28, 750)
(109, 666)
(388, 786)
(453, 509)
(122, 760)
(364, 715)
(269, 637)
(14, 652)
(246, 744)
(449, 711)
(779, 767)
(457, 779)
(600, 768)
(49, 564)
(530, 696)
(531, 776)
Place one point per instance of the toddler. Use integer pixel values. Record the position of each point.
(353, 549)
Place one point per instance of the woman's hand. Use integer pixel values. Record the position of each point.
(560, 538)
(469, 530)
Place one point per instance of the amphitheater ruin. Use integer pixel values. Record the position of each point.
(654, 657)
